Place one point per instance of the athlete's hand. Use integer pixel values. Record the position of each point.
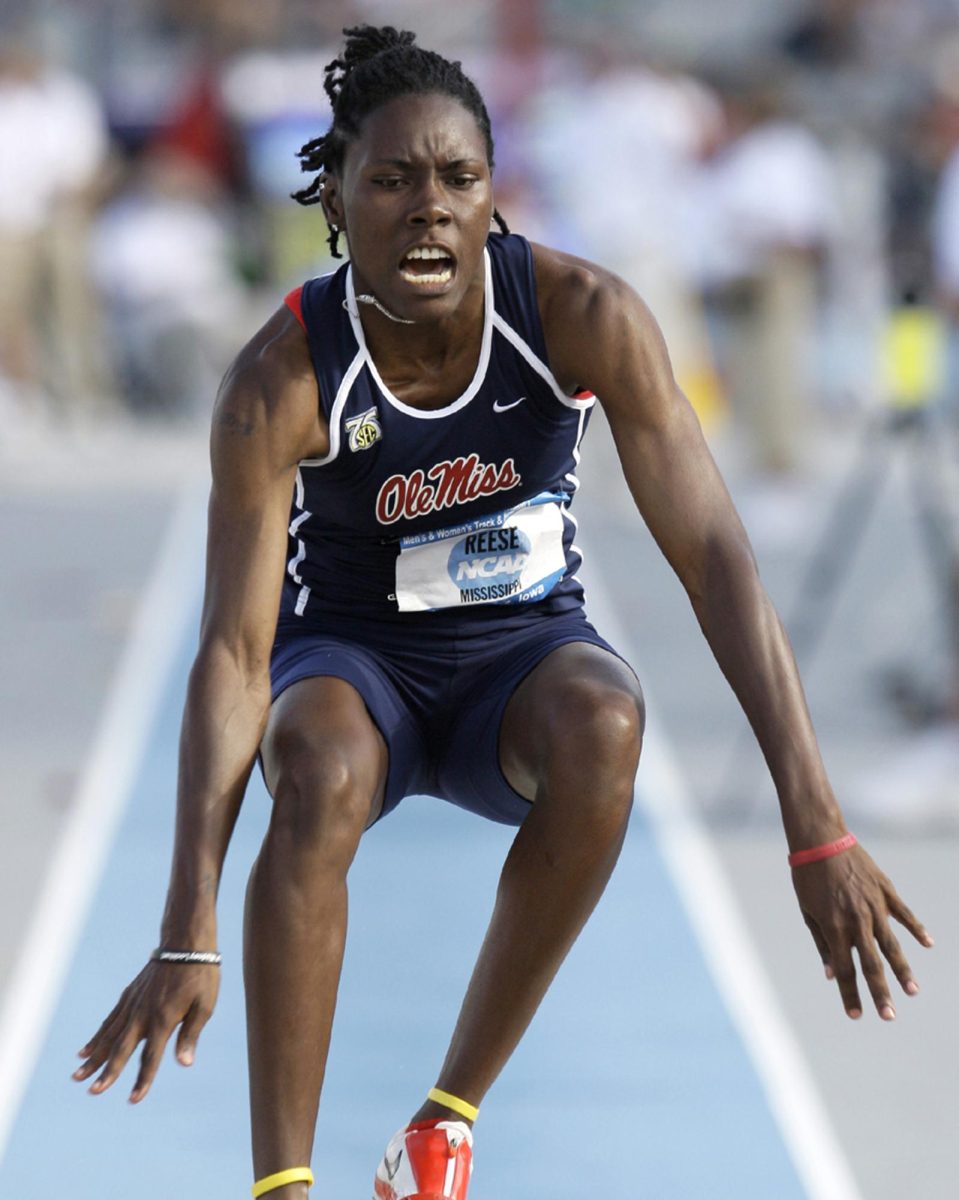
(846, 902)
(163, 996)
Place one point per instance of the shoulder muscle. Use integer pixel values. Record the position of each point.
(601, 335)
(267, 407)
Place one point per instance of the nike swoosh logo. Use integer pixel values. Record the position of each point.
(497, 407)
(394, 1166)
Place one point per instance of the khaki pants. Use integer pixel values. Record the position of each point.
(50, 332)
(22, 272)
(770, 367)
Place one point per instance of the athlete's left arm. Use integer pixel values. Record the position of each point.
(600, 335)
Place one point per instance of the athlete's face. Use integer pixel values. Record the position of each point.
(415, 200)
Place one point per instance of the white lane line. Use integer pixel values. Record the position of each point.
(137, 690)
(730, 954)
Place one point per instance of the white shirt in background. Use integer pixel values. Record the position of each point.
(53, 141)
(772, 188)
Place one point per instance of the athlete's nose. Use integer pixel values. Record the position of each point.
(429, 205)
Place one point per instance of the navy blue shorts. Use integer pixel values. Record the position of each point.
(438, 701)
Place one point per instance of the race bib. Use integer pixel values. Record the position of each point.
(506, 558)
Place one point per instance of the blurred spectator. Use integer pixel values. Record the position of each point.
(52, 147)
(276, 102)
(635, 132)
(163, 261)
(767, 214)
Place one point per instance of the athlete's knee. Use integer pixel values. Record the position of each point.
(323, 794)
(594, 747)
(600, 725)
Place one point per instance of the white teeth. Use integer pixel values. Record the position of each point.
(428, 252)
(442, 277)
(431, 253)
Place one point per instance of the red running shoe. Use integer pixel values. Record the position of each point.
(432, 1160)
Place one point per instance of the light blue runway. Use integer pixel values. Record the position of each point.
(632, 1081)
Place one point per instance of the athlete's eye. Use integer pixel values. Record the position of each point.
(391, 182)
(464, 181)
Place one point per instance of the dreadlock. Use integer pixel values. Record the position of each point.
(376, 66)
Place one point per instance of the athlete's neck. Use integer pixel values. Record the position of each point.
(431, 357)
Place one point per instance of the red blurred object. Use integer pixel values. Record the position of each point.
(198, 128)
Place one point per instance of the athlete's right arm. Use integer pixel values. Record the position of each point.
(267, 418)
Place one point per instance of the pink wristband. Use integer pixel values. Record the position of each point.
(816, 853)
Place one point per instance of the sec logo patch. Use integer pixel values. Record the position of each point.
(364, 430)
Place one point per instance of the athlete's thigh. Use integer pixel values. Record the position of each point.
(574, 679)
(323, 721)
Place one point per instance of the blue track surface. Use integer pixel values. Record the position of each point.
(632, 1080)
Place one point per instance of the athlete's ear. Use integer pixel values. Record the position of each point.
(332, 202)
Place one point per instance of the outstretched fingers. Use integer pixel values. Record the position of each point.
(847, 904)
(905, 916)
(873, 941)
(148, 1011)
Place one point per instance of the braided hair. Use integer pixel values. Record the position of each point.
(378, 65)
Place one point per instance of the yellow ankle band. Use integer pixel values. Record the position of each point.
(270, 1183)
(453, 1102)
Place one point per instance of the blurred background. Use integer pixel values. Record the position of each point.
(781, 184)
(777, 180)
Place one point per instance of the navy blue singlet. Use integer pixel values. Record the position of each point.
(454, 516)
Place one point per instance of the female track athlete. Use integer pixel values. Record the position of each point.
(392, 607)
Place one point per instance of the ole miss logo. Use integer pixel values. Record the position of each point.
(456, 481)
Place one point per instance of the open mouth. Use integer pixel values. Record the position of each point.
(427, 264)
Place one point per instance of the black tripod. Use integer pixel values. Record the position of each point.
(927, 437)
